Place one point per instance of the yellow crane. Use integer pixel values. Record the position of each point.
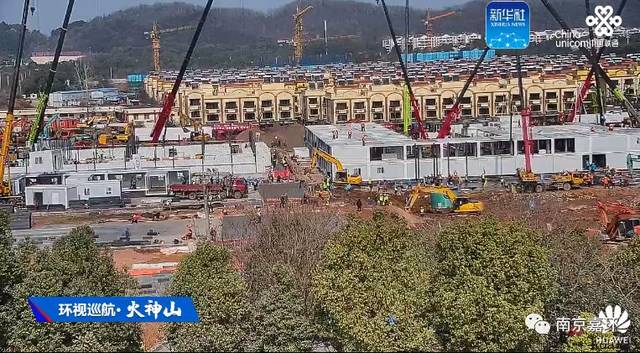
(154, 35)
(298, 35)
(341, 176)
(5, 185)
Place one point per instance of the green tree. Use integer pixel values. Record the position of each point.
(586, 342)
(279, 321)
(489, 276)
(371, 287)
(622, 280)
(73, 266)
(579, 264)
(10, 275)
(220, 298)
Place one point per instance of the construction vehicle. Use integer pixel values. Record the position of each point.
(428, 22)
(154, 35)
(5, 185)
(236, 188)
(594, 59)
(298, 35)
(170, 98)
(620, 222)
(415, 107)
(37, 126)
(454, 113)
(124, 137)
(443, 198)
(577, 105)
(342, 177)
(568, 180)
(199, 136)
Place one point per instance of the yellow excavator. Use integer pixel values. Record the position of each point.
(341, 176)
(443, 198)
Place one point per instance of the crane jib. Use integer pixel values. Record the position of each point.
(168, 104)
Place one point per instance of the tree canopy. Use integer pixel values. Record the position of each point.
(489, 276)
(220, 298)
(73, 266)
(371, 287)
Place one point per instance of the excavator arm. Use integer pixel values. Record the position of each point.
(327, 157)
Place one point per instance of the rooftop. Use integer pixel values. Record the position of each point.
(346, 74)
(377, 135)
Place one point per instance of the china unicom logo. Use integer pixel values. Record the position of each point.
(603, 21)
(615, 319)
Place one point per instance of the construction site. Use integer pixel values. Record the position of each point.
(547, 140)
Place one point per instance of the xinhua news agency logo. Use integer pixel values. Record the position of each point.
(602, 22)
(614, 319)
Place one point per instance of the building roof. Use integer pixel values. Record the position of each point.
(385, 72)
(375, 135)
(378, 135)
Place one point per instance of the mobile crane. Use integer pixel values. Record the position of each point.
(596, 68)
(454, 113)
(5, 187)
(415, 107)
(170, 98)
(37, 126)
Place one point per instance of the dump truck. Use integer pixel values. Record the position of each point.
(236, 188)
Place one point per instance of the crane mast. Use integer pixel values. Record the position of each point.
(5, 188)
(298, 35)
(170, 98)
(154, 35)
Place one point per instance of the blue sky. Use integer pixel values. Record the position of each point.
(50, 12)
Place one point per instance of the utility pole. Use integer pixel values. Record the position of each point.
(205, 185)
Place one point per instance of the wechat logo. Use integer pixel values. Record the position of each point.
(536, 322)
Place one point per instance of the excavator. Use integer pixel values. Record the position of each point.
(445, 199)
(342, 177)
(620, 222)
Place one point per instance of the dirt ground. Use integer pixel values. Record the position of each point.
(545, 211)
(291, 135)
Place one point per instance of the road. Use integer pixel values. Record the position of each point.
(168, 230)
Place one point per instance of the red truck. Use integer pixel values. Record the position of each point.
(236, 188)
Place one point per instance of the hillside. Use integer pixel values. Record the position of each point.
(236, 36)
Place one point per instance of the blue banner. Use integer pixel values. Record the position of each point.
(507, 25)
(113, 309)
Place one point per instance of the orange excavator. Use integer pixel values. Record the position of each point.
(620, 222)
